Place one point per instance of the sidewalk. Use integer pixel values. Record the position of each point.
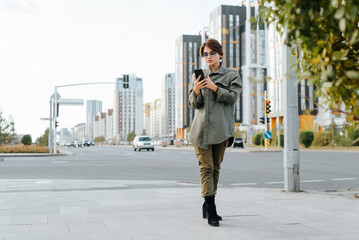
(137, 210)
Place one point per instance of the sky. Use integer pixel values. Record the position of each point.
(47, 43)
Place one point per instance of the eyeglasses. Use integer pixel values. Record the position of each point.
(212, 54)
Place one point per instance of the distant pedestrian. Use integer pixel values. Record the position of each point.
(213, 125)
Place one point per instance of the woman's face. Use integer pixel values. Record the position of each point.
(211, 57)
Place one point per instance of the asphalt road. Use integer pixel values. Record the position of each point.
(319, 170)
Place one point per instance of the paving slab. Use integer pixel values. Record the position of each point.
(169, 210)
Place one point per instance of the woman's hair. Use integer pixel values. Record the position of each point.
(212, 44)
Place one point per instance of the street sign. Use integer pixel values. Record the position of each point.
(69, 101)
(251, 129)
(279, 127)
(267, 135)
(251, 133)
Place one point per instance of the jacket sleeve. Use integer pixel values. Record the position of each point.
(231, 94)
(193, 100)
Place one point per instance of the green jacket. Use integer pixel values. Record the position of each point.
(214, 120)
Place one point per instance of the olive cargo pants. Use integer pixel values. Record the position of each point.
(209, 161)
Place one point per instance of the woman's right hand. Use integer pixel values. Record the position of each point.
(198, 85)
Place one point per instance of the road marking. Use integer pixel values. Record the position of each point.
(308, 181)
(59, 162)
(274, 182)
(244, 184)
(343, 179)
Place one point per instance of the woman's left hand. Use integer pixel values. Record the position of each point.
(210, 84)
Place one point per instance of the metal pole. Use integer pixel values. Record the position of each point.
(55, 119)
(50, 128)
(291, 126)
(278, 122)
(265, 120)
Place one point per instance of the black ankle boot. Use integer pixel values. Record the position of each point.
(204, 212)
(211, 212)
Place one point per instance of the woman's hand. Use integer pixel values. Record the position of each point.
(210, 84)
(198, 85)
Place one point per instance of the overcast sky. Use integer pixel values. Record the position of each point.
(45, 43)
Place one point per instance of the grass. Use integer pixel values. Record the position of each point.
(24, 149)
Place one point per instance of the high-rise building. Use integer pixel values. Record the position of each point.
(92, 108)
(65, 135)
(168, 107)
(155, 120)
(128, 107)
(187, 59)
(146, 118)
(78, 132)
(244, 51)
(109, 124)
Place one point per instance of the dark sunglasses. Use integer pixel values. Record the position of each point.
(212, 53)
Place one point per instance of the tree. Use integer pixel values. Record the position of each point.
(325, 36)
(44, 139)
(7, 129)
(131, 136)
(26, 139)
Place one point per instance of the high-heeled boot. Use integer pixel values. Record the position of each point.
(211, 212)
(204, 211)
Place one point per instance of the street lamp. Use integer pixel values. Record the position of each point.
(56, 98)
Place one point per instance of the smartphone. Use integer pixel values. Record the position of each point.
(199, 72)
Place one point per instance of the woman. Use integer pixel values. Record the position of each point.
(213, 125)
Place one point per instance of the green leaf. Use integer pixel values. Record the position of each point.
(342, 25)
(352, 74)
(337, 55)
(354, 39)
(339, 13)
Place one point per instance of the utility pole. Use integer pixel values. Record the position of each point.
(291, 126)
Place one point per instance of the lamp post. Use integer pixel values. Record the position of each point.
(56, 99)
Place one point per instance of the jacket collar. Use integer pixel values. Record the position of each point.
(219, 71)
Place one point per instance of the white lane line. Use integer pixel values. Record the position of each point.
(343, 179)
(244, 184)
(274, 182)
(308, 181)
(59, 162)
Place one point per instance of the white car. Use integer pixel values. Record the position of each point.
(143, 142)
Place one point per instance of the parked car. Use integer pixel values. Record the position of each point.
(78, 143)
(70, 144)
(89, 143)
(238, 142)
(143, 142)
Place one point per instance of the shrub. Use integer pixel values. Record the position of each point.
(24, 149)
(354, 135)
(99, 139)
(340, 141)
(257, 138)
(26, 139)
(321, 139)
(306, 138)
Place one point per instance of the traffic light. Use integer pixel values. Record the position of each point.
(56, 124)
(262, 120)
(267, 107)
